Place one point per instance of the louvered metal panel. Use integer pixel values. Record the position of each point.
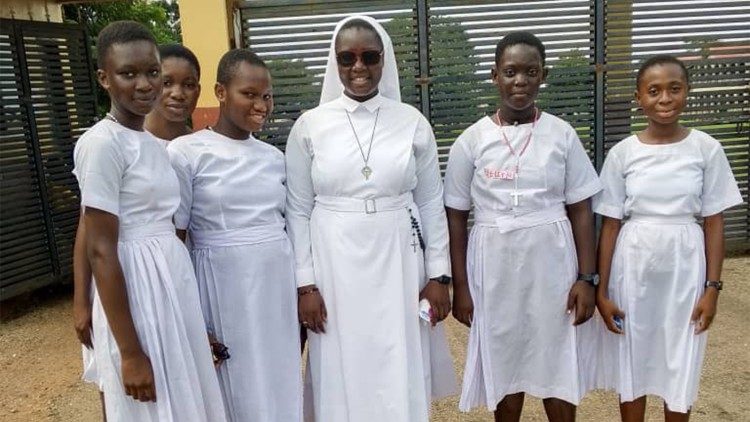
(294, 37)
(463, 35)
(713, 40)
(48, 102)
(446, 48)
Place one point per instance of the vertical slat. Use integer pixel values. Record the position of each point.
(423, 33)
(599, 49)
(28, 105)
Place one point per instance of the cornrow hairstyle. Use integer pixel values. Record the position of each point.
(120, 32)
(360, 24)
(231, 59)
(519, 37)
(661, 59)
(179, 51)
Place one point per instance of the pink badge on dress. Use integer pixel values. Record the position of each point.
(496, 174)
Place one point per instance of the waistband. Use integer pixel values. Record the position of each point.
(236, 237)
(509, 222)
(364, 205)
(142, 231)
(662, 219)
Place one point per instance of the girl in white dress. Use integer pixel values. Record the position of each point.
(151, 350)
(660, 271)
(525, 284)
(233, 196)
(167, 120)
(366, 216)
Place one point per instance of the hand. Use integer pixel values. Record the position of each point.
(705, 310)
(82, 321)
(463, 306)
(311, 309)
(609, 310)
(138, 377)
(581, 297)
(215, 345)
(440, 300)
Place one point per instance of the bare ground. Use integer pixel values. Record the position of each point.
(40, 362)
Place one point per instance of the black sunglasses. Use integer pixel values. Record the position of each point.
(348, 58)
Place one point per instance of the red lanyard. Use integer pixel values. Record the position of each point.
(528, 139)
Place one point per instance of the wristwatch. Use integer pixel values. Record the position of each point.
(443, 279)
(592, 278)
(718, 285)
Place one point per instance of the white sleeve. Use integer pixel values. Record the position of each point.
(610, 201)
(720, 189)
(184, 170)
(458, 175)
(581, 181)
(100, 168)
(300, 199)
(428, 195)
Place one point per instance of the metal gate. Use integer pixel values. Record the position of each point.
(445, 49)
(47, 95)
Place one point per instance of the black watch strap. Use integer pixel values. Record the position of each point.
(443, 279)
(591, 278)
(718, 285)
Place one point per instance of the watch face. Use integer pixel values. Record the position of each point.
(592, 279)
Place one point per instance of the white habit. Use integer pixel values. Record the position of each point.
(233, 198)
(659, 266)
(376, 361)
(353, 238)
(127, 173)
(521, 260)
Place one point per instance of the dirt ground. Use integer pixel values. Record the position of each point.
(40, 364)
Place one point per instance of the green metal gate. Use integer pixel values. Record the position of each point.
(445, 49)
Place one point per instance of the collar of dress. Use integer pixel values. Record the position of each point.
(543, 126)
(370, 105)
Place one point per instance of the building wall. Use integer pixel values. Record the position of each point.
(206, 30)
(35, 10)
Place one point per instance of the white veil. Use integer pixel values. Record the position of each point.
(388, 86)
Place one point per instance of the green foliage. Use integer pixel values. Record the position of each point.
(158, 16)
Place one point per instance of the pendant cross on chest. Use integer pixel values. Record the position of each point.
(366, 171)
(515, 195)
(414, 244)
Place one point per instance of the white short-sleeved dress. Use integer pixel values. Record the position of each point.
(127, 173)
(521, 259)
(353, 238)
(233, 197)
(90, 373)
(659, 266)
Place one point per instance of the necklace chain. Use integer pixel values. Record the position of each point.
(525, 144)
(110, 116)
(515, 194)
(366, 170)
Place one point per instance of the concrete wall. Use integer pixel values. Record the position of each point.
(34, 10)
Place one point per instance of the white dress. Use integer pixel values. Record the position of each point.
(90, 373)
(127, 173)
(659, 266)
(353, 238)
(233, 198)
(521, 260)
